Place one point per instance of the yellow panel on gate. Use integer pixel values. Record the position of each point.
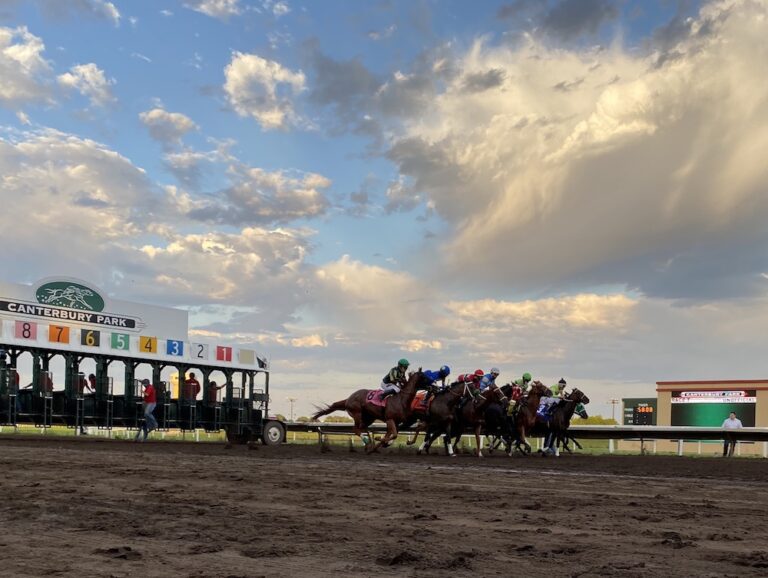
(148, 344)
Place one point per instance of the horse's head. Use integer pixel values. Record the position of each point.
(540, 389)
(419, 380)
(581, 411)
(578, 396)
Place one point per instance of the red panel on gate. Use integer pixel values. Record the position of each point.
(223, 353)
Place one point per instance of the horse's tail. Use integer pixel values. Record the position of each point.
(339, 405)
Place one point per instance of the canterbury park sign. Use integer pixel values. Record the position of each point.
(66, 300)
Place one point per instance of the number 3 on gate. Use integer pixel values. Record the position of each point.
(148, 344)
(173, 347)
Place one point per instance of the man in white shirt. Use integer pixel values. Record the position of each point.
(731, 423)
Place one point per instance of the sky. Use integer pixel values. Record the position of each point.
(572, 188)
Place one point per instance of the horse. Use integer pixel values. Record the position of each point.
(440, 418)
(365, 406)
(560, 420)
(582, 413)
(497, 425)
(525, 418)
(472, 414)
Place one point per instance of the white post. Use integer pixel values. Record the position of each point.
(654, 447)
(699, 447)
(610, 446)
(679, 447)
(738, 448)
(197, 435)
(765, 449)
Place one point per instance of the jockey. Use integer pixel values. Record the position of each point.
(395, 379)
(471, 378)
(559, 389)
(439, 375)
(489, 378)
(514, 398)
(435, 376)
(548, 403)
(524, 381)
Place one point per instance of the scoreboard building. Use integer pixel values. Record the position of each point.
(701, 404)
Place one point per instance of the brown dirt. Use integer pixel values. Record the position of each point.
(100, 508)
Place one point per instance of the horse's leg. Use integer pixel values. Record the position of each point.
(420, 427)
(447, 439)
(389, 436)
(429, 437)
(478, 429)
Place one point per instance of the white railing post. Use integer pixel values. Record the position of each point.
(679, 447)
(610, 446)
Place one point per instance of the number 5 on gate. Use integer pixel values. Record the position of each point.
(121, 341)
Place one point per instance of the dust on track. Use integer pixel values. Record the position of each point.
(104, 508)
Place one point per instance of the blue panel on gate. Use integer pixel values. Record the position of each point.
(174, 347)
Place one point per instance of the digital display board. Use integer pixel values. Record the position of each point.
(709, 408)
(639, 410)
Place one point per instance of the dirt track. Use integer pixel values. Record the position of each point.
(98, 508)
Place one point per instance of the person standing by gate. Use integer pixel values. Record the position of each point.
(191, 388)
(150, 401)
(729, 424)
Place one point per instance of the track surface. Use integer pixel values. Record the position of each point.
(100, 508)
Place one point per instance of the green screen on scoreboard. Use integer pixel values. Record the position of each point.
(711, 408)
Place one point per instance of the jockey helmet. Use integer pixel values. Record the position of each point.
(562, 381)
(526, 377)
(403, 362)
(495, 371)
(445, 370)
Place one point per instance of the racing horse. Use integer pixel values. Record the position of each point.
(472, 414)
(525, 418)
(366, 406)
(439, 418)
(556, 429)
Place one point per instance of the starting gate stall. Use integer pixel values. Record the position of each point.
(70, 319)
(9, 390)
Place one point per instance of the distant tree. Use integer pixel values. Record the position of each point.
(338, 419)
(594, 420)
(302, 419)
(280, 417)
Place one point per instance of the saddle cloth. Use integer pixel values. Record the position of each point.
(418, 402)
(374, 398)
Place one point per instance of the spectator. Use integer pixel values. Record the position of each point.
(82, 385)
(191, 388)
(150, 401)
(732, 423)
(92, 382)
(213, 392)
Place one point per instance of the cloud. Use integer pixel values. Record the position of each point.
(582, 311)
(220, 9)
(652, 181)
(90, 81)
(24, 71)
(382, 34)
(401, 197)
(98, 9)
(261, 89)
(257, 196)
(482, 81)
(569, 19)
(309, 341)
(166, 127)
(277, 8)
